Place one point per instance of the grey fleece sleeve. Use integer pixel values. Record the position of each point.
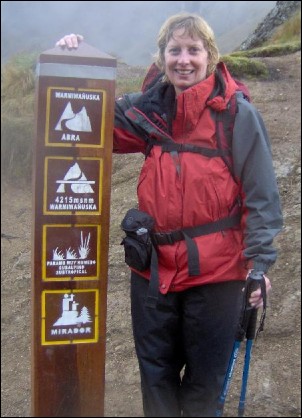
(254, 166)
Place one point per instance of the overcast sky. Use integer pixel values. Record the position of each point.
(124, 29)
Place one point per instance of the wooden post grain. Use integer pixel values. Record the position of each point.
(70, 230)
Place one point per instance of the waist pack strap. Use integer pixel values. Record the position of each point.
(169, 238)
(193, 256)
(194, 270)
(186, 234)
(152, 296)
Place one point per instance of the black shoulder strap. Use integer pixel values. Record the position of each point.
(175, 146)
(224, 121)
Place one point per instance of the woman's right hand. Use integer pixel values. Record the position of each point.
(71, 41)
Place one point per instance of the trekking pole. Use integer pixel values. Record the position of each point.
(228, 378)
(245, 315)
(250, 335)
(257, 279)
(247, 326)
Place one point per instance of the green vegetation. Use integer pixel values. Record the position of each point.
(128, 85)
(17, 117)
(271, 50)
(241, 66)
(290, 31)
(18, 87)
(286, 40)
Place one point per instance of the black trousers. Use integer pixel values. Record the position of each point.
(184, 346)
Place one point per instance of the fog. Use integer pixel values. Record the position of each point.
(124, 29)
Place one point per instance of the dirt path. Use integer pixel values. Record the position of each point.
(275, 376)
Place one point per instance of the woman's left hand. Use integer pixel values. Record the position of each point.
(255, 299)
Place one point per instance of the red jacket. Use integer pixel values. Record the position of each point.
(186, 189)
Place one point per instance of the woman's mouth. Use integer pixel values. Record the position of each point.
(184, 72)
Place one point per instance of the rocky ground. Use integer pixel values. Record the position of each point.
(274, 388)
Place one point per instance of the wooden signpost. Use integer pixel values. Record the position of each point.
(71, 207)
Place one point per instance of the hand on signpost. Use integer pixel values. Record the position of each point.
(71, 41)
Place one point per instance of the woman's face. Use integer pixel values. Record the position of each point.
(186, 60)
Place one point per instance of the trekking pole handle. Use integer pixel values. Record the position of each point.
(256, 275)
(252, 325)
(255, 278)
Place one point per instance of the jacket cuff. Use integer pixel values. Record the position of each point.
(260, 266)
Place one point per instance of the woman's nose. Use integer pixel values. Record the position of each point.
(184, 57)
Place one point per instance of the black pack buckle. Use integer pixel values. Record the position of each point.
(170, 239)
(167, 238)
(163, 238)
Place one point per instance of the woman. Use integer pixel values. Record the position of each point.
(184, 341)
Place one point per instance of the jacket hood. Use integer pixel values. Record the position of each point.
(216, 90)
(159, 98)
(224, 85)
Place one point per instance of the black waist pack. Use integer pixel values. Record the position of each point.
(137, 242)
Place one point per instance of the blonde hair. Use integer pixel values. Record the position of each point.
(193, 25)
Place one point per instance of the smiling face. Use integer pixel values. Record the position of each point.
(185, 60)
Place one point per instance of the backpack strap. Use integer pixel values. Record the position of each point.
(169, 238)
(174, 146)
(224, 121)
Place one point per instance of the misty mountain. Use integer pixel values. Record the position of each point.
(124, 29)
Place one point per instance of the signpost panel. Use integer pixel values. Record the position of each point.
(70, 240)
